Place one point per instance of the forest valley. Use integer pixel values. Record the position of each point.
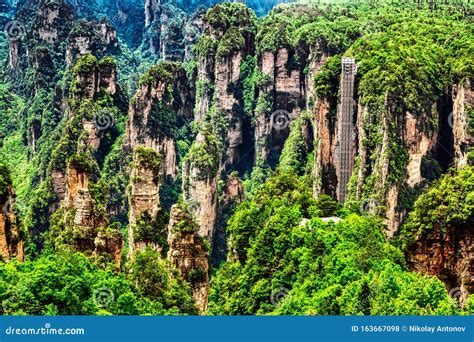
(190, 157)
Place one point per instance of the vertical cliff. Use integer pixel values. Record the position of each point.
(200, 176)
(11, 238)
(147, 220)
(162, 98)
(189, 252)
(439, 233)
(462, 121)
(232, 195)
(222, 54)
(81, 222)
(169, 31)
(228, 39)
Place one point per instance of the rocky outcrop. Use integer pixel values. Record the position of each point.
(200, 178)
(48, 22)
(150, 6)
(86, 227)
(53, 21)
(232, 194)
(449, 255)
(461, 121)
(170, 31)
(161, 100)
(11, 241)
(13, 52)
(58, 182)
(145, 228)
(221, 54)
(188, 251)
(85, 37)
(227, 74)
(324, 170)
(283, 96)
(92, 76)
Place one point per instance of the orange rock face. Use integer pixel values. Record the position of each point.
(11, 243)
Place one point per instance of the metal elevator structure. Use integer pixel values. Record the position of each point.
(345, 127)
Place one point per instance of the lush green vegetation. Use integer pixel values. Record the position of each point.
(67, 283)
(289, 252)
(448, 205)
(285, 260)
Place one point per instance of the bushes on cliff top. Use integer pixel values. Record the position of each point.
(224, 16)
(149, 158)
(448, 204)
(232, 23)
(162, 72)
(85, 64)
(326, 81)
(232, 41)
(205, 155)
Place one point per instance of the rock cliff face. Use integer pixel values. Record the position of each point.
(170, 31)
(90, 37)
(232, 194)
(218, 98)
(94, 77)
(448, 255)
(447, 251)
(84, 221)
(162, 98)
(48, 23)
(89, 81)
(219, 102)
(51, 24)
(324, 170)
(283, 95)
(53, 20)
(84, 224)
(396, 172)
(189, 253)
(11, 241)
(200, 184)
(144, 203)
(461, 120)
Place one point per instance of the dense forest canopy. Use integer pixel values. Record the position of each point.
(142, 172)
